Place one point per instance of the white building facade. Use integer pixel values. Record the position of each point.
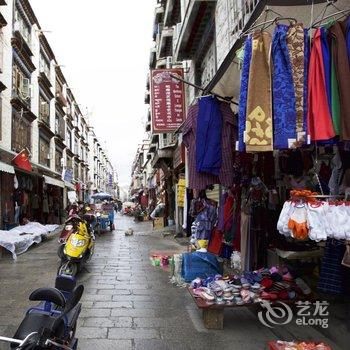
(40, 115)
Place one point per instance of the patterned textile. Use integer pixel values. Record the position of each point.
(306, 73)
(209, 136)
(242, 109)
(204, 222)
(332, 272)
(200, 181)
(258, 132)
(295, 43)
(284, 104)
(320, 126)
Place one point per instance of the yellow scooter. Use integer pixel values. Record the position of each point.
(78, 248)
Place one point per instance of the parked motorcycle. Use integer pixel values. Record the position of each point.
(77, 246)
(52, 323)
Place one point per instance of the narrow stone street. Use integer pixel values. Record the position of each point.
(128, 303)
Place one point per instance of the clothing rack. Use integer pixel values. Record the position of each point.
(344, 12)
(225, 98)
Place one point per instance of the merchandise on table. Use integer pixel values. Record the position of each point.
(272, 284)
(284, 345)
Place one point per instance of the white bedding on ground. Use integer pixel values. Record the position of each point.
(16, 243)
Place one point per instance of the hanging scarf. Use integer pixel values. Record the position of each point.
(335, 100)
(295, 43)
(209, 136)
(258, 133)
(326, 57)
(284, 111)
(320, 125)
(244, 93)
(337, 31)
(348, 38)
(306, 75)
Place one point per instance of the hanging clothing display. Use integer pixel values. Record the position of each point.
(348, 38)
(201, 180)
(209, 136)
(320, 126)
(284, 101)
(242, 108)
(258, 133)
(341, 63)
(326, 57)
(295, 43)
(316, 220)
(204, 212)
(306, 77)
(335, 99)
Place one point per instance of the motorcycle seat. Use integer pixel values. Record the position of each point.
(52, 295)
(65, 283)
(34, 321)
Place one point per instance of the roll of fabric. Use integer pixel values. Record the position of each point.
(320, 126)
(258, 133)
(284, 102)
(242, 111)
(338, 37)
(295, 43)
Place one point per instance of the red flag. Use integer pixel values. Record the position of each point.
(22, 160)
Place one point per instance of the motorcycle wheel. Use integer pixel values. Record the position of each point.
(60, 251)
(68, 268)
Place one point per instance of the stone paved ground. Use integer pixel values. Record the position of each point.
(129, 304)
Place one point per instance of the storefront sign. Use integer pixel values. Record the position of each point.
(167, 99)
(67, 175)
(181, 188)
(110, 180)
(179, 156)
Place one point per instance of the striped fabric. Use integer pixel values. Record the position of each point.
(332, 276)
(200, 181)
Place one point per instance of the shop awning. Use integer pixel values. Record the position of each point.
(6, 168)
(69, 185)
(51, 181)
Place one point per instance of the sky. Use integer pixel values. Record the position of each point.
(104, 47)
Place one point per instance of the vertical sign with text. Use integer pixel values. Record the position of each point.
(167, 99)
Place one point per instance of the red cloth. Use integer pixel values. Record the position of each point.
(320, 126)
(215, 242)
(22, 161)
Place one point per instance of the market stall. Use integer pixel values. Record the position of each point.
(281, 158)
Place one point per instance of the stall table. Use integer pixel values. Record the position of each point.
(213, 314)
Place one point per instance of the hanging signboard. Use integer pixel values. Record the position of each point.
(179, 156)
(167, 100)
(181, 189)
